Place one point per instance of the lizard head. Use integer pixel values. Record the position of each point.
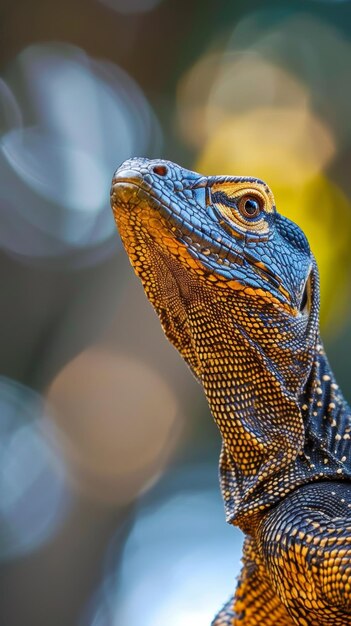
(186, 233)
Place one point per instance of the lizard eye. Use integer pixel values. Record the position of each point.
(250, 206)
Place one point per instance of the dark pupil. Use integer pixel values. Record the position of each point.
(251, 206)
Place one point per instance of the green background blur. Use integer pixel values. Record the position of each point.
(110, 512)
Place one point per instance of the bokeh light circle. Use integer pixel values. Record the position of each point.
(289, 146)
(221, 85)
(83, 117)
(119, 423)
(34, 497)
(178, 544)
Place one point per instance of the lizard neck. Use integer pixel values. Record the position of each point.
(253, 388)
(281, 415)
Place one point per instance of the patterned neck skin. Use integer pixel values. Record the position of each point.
(236, 289)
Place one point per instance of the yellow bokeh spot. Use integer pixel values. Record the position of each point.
(232, 83)
(283, 145)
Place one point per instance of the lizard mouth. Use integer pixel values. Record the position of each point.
(156, 240)
(153, 242)
(137, 208)
(126, 194)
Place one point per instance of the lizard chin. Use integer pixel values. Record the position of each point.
(161, 264)
(156, 244)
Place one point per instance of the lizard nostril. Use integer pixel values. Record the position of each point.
(160, 170)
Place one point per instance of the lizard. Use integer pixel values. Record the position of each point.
(236, 288)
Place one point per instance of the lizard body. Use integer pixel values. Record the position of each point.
(236, 289)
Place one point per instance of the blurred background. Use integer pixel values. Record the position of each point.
(110, 511)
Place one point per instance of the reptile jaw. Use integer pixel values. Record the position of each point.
(131, 188)
(140, 215)
(124, 191)
(143, 220)
(152, 241)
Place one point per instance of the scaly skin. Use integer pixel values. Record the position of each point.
(236, 289)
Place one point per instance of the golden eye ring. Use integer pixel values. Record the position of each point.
(250, 206)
